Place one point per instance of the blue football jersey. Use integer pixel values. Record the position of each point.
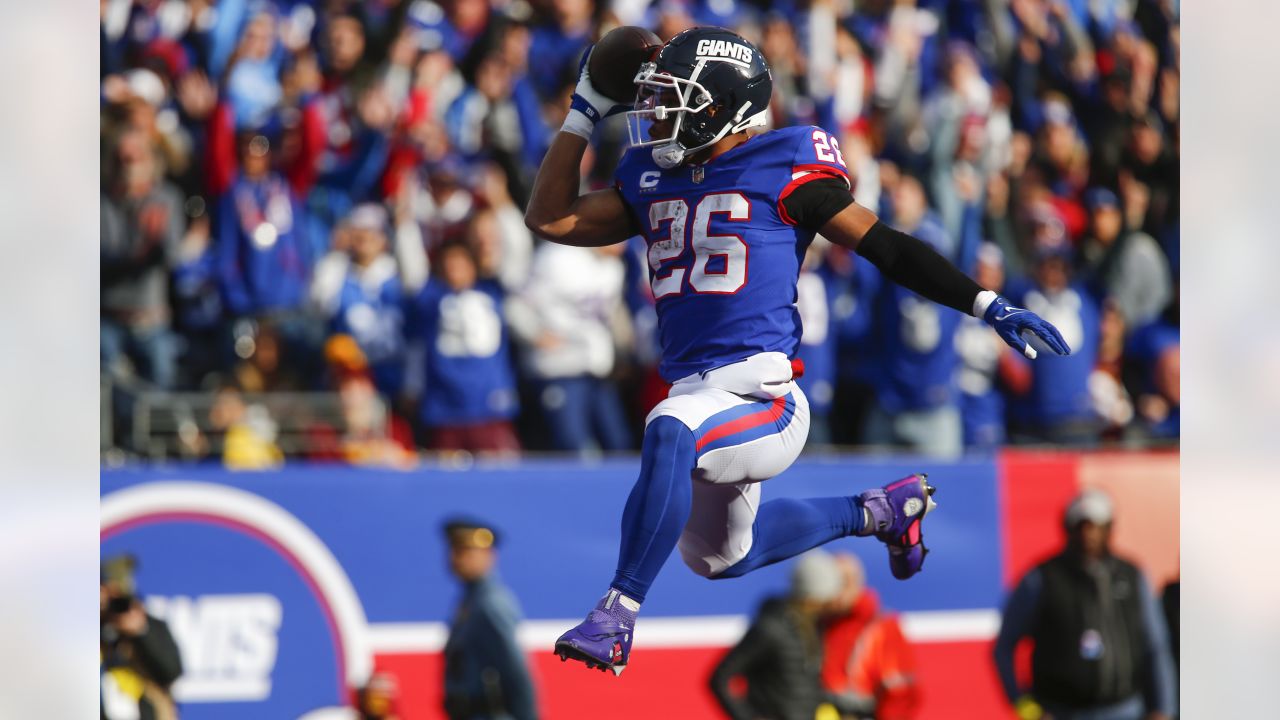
(723, 255)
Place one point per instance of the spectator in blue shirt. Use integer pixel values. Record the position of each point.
(361, 290)
(984, 359)
(467, 390)
(559, 43)
(1155, 351)
(917, 406)
(822, 282)
(1058, 407)
(262, 254)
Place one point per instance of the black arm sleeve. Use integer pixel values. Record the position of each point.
(814, 203)
(914, 265)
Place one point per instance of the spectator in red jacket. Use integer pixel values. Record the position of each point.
(868, 667)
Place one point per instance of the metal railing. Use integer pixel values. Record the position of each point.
(184, 425)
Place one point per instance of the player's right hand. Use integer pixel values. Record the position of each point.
(591, 102)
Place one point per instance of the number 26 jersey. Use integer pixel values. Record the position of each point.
(723, 254)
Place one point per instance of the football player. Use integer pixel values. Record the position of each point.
(727, 216)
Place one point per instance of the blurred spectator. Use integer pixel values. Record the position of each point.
(252, 85)
(139, 658)
(1126, 266)
(1101, 651)
(559, 42)
(1111, 400)
(1057, 407)
(356, 115)
(264, 365)
(361, 289)
(248, 432)
(1154, 350)
(986, 364)
(781, 654)
(565, 318)
(467, 388)
(379, 698)
(1171, 605)
(916, 401)
(484, 120)
(371, 434)
(868, 667)
(497, 233)
(263, 257)
(485, 671)
(456, 27)
(824, 276)
(142, 226)
(1149, 166)
(197, 304)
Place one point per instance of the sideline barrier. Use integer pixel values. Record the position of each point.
(285, 588)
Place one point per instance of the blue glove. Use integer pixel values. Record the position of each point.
(1011, 323)
(592, 103)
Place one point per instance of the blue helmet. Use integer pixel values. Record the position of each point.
(711, 81)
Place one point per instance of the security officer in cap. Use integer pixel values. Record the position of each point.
(485, 674)
(1101, 647)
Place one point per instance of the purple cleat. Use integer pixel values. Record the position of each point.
(898, 510)
(603, 640)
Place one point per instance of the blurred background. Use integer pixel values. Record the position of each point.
(313, 258)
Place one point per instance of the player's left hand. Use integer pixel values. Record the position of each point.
(1012, 322)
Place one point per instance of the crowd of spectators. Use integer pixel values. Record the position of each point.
(325, 194)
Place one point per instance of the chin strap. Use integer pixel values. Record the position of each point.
(669, 155)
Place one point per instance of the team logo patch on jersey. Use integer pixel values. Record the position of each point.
(699, 173)
(723, 49)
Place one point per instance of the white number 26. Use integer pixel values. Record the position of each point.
(724, 279)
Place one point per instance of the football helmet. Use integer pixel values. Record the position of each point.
(709, 82)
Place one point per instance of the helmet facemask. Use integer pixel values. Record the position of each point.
(663, 96)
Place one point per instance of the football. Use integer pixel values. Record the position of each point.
(617, 57)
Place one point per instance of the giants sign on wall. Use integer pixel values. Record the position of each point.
(286, 589)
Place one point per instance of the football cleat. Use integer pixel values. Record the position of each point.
(898, 511)
(602, 641)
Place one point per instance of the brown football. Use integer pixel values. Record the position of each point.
(617, 57)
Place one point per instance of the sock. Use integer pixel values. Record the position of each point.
(787, 527)
(658, 506)
(618, 606)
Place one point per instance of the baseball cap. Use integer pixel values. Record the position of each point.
(470, 532)
(1096, 197)
(816, 576)
(146, 85)
(1092, 505)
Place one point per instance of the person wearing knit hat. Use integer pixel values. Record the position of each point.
(1101, 645)
(780, 656)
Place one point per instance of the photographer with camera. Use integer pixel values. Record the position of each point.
(139, 657)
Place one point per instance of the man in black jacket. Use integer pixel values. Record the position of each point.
(140, 659)
(1101, 648)
(781, 654)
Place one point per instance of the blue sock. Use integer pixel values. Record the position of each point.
(787, 527)
(658, 506)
